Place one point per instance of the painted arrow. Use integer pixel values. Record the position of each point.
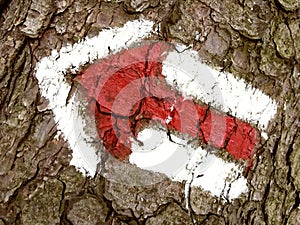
(127, 88)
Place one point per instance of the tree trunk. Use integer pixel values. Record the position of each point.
(257, 41)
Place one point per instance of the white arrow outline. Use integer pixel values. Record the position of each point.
(53, 86)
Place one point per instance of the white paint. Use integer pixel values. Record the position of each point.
(217, 177)
(53, 86)
(222, 91)
(156, 155)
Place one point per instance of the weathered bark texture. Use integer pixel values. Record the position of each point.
(258, 41)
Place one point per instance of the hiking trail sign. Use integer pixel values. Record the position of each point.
(155, 105)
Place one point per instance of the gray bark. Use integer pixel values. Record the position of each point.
(259, 42)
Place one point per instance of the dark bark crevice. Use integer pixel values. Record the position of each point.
(34, 160)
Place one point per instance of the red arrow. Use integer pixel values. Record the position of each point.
(127, 90)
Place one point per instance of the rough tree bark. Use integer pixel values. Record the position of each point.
(258, 41)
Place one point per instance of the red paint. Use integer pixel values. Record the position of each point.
(128, 89)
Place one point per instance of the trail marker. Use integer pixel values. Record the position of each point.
(129, 86)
